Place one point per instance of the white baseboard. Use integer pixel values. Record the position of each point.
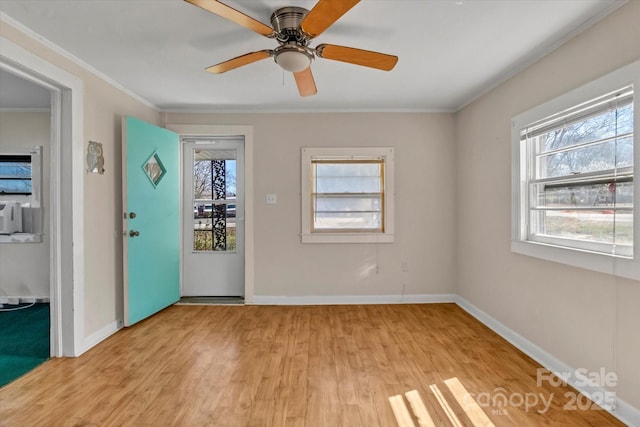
(100, 335)
(620, 409)
(627, 414)
(352, 299)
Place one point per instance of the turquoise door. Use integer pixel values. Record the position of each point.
(151, 203)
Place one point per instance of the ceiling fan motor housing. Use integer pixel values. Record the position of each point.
(293, 54)
(286, 23)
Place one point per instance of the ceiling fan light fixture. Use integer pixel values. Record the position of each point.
(293, 58)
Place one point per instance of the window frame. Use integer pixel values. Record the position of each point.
(621, 265)
(535, 175)
(31, 203)
(384, 155)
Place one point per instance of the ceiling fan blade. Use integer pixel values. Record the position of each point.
(233, 15)
(323, 14)
(305, 82)
(351, 55)
(239, 61)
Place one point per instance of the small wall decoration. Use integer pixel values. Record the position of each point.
(95, 158)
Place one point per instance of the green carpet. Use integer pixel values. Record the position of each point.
(24, 341)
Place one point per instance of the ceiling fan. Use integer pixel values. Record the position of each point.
(294, 28)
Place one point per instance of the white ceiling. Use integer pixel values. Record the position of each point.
(450, 51)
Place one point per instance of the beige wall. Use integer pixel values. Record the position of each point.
(586, 319)
(24, 267)
(104, 106)
(103, 112)
(424, 204)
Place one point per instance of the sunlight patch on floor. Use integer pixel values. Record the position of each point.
(419, 415)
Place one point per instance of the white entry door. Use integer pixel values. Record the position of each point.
(213, 213)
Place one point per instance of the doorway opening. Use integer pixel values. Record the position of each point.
(204, 132)
(65, 205)
(25, 139)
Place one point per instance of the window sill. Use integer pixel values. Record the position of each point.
(617, 266)
(21, 238)
(347, 238)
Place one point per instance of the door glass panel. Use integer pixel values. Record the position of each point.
(214, 200)
(154, 169)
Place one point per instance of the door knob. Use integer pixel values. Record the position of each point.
(133, 233)
(132, 215)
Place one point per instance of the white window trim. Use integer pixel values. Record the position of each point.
(307, 154)
(604, 263)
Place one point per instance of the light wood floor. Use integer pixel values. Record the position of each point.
(290, 366)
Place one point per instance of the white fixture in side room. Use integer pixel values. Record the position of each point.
(10, 217)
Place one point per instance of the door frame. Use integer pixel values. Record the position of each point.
(66, 213)
(211, 131)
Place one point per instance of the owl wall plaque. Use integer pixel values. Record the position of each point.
(95, 158)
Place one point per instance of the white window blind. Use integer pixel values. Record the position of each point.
(348, 195)
(578, 169)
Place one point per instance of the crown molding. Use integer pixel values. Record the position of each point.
(6, 19)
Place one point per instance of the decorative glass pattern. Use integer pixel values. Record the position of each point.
(219, 211)
(154, 169)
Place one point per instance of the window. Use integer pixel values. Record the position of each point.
(21, 181)
(573, 176)
(214, 197)
(20, 177)
(579, 173)
(15, 174)
(347, 195)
